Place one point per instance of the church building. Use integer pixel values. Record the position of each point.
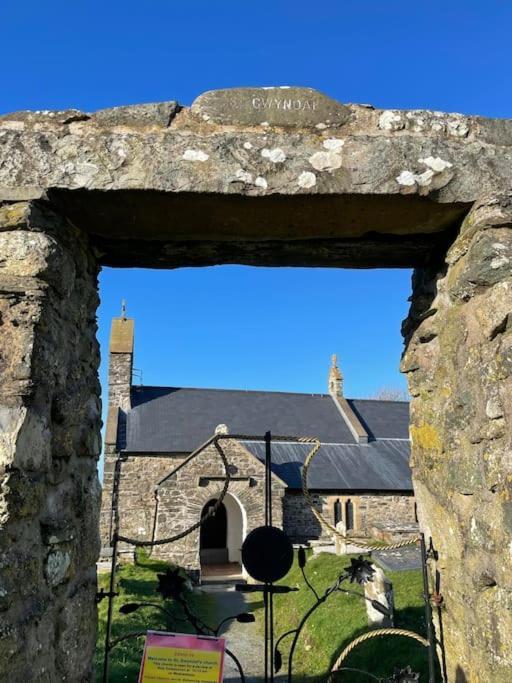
(361, 475)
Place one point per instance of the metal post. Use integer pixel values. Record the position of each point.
(112, 584)
(428, 614)
(269, 595)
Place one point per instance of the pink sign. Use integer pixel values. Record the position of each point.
(182, 658)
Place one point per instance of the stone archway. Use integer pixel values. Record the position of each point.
(222, 535)
(229, 180)
(237, 527)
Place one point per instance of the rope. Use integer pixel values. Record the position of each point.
(305, 489)
(309, 459)
(376, 633)
(210, 513)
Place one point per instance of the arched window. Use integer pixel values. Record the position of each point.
(349, 514)
(337, 512)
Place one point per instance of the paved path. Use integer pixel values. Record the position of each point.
(244, 640)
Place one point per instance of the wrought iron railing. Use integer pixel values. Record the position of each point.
(267, 556)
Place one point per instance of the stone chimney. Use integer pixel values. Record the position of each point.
(119, 372)
(336, 391)
(335, 378)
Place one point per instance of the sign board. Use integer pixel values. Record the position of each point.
(181, 658)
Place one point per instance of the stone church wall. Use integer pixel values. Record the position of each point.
(301, 524)
(184, 495)
(140, 475)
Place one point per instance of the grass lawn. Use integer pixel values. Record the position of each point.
(137, 583)
(340, 619)
(343, 617)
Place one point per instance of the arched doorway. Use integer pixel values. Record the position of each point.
(222, 534)
(213, 535)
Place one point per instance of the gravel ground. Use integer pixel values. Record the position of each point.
(244, 640)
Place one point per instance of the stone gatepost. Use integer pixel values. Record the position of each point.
(49, 445)
(459, 365)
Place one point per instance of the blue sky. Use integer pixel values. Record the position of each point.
(234, 326)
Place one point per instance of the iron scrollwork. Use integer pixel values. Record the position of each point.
(267, 555)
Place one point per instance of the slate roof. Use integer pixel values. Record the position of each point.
(381, 465)
(173, 419)
(383, 419)
(169, 419)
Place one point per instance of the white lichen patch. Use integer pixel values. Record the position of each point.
(325, 161)
(416, 121)
(261, 182)
(57, 565)
(407, 178)
(493, 408)
(457, 127)
(333, 144)
(244, 176)
(247, 145)
(195, 155)
(499, 262)
(435, 167)
(306, 179)
(437, 164)
(276, 155)
(390, 120)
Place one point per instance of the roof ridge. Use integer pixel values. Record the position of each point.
(266, 391)
(380, 400)
(327, 443)
(242, 391)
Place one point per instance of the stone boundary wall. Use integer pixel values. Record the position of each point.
(49, 446)
(458, 362)
(286, 193)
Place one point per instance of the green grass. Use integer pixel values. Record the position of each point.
(343, 617)
(340, 619)
(137, 583)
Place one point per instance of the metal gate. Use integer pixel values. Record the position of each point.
(267, 556)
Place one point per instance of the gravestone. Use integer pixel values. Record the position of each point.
(341, 544)
(380, 589)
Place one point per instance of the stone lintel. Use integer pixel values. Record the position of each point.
(206, 479)
(253, 166)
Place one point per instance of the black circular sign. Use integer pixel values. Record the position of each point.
(267, 554)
